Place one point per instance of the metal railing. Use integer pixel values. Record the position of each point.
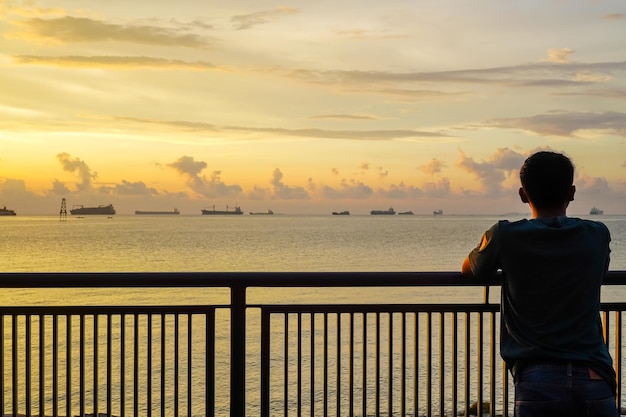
(235, 357)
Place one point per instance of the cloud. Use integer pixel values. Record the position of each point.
(400, 191)
(343, 117)
(438, 189)
(533, 74)
(364, 166)
(70, 29)
(248, 21)
(208, 187)
(186, 165)
(618, 93)
(134, 188)
(597, 186)
(559, 55)
(26, 9)
(286, 192)
(78, 167)
(12, 187)
(615, 16)
(113, 62)
(433, 167)
(345, 134)
(494, 171)
(566, 123)
(178, 124)
(353, 190)
(59, 188)
(418, 95)
(368, 34)
(394, 134)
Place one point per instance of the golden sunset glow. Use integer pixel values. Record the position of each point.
(308, 107)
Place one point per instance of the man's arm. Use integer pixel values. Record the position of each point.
(466, 268)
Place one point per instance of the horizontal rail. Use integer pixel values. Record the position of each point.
(253, 279)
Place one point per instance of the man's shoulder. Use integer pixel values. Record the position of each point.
(511, 224)
(589, 224)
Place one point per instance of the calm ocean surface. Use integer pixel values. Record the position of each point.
(128, 243)
(251, 243)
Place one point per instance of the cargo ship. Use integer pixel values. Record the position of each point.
(379, 212)
(258, 213)
(341, 213)
(236, 210)
(142, 212)
(596, 211)
(6, 212)
(86, 211)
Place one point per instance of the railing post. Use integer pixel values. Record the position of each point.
(238, 350)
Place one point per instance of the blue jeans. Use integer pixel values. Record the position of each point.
(562, 389)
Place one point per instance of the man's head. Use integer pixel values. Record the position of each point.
(547, 179)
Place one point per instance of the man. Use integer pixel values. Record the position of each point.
(552, 270)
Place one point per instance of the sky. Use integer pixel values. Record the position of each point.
(308, 107)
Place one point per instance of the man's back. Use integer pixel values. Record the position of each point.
(552, 273)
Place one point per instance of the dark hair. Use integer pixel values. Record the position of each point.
(547, 178)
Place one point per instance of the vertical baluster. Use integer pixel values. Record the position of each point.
(442, 358)
(189, 363)
(265, 363)
(14, 365)
(618, 355)
(136, 364)
(364, 382)
(42, 363)
(479, 372)
(351, 366)
(468, 348)
(390, 366)
(299, 357)
(338, 391)
(429, 365)
(377, 373)
(286, 370)
(28, 365)
(68, 365)
(55, 365)
(210, 366)
(325, 372)
(312, 375)
(109, 364)
(416, 362)
(149, 366)
(81, 367)
(163, 363)
(492, 363)
(455, 361)
(176, 359)
(95, 364)
(123, 364)
(403, 365)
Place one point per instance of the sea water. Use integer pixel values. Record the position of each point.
(274, 243)
(250, 243)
